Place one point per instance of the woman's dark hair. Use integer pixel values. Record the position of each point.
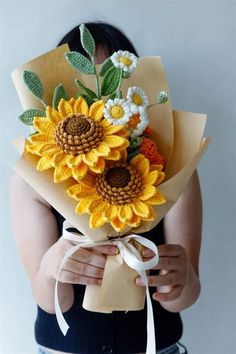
(105, 36)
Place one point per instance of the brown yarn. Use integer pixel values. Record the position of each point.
(119, 184)
(78, 134)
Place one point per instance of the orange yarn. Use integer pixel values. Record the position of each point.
(134, 120)
(149, 149)
(148, 131)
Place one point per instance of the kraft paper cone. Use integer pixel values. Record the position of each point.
(180, 139)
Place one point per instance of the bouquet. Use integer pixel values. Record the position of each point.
(107, 151)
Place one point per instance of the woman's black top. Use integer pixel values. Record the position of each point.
(119, 332)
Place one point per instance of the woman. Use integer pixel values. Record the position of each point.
(42, 249)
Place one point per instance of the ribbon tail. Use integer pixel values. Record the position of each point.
(151, 341)
(60, 318)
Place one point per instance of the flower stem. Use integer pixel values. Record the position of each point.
(118, 87)
(96, 79)
(43, 103)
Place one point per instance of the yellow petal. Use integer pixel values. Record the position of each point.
(117, 224)
(83, 206)
(96, 220)
(79, 171)
(151, 178)
(113, 129)
(98, 206)
(111, 213)
(114, 155)
(152, 215)
(105, 123)
(74, 161)
(113, 141)
(72, 102)
(81, 106)
(65, 108)
(61, 174)
(157, 199)
(44, 125)
(90, 158)
(140, 208)
(53, 115)
(44, 163)
(33, 148)
(96, 110)
(49, 149)
(147, 193)
(41, 138)
(78, 191)
(156, 167)
(60, 159)
(103, 150)
(125, 213)
(144, 167)
(135, 221)
(161, 177)
(88, 181)
(99, 168)
(136, 159)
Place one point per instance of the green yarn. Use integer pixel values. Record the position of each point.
(111, 81)
(80, 63)
(33, 84)
(88, 92)
(106, 65)
(87, 40)
(27, 117)
(58, 94)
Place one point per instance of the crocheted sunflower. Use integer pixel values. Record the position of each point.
(124, 194)
(76, 138)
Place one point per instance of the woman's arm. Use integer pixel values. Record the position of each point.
(179, 257)
(41, 249)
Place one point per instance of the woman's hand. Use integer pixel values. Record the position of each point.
(174, 273)
(86, 266)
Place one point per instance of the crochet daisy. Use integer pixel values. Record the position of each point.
(117, 111)
(124, 60)
(137, 97)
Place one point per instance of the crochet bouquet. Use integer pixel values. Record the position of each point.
(106, 150)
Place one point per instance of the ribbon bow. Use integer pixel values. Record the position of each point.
(131, 257)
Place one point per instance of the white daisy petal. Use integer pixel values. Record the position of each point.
(137, 97)
(124, 60)
(117, 111)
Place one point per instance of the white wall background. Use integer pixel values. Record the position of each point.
(197, 43)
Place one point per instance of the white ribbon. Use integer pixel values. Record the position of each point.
(131, 257)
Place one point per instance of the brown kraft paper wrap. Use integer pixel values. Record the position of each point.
(180, 139)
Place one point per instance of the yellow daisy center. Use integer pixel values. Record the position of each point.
(117, 112)
(137, 99)
(119, 184)
(78, 134)
(125, 60)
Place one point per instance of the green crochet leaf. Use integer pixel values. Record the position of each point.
(114, 95)
(88, 92)
(111, 81)
(88, 99)
(33, 83)
(80, 62)
(87, 40)
(58, 94)
(27, 117)
(106, 65)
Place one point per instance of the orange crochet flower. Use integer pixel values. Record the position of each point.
(149, 149)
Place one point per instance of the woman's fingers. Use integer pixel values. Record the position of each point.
(170, 296)
(83, 269)
(73, 278)
(170, 278)
(107, 250)
(88, 257)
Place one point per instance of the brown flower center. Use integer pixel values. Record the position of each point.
(119, 184)
(78, 134)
